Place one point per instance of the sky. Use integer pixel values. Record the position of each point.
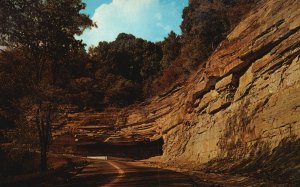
(148, 19)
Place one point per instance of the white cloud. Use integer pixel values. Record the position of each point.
(148, 19)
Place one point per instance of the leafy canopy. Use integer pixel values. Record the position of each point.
(42, 26)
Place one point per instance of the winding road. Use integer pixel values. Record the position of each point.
(116, 173)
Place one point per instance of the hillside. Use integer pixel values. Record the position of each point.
(238, 113)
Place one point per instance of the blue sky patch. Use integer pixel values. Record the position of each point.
(148, 19)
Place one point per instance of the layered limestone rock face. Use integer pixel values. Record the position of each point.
(247, 97)
(245, 100)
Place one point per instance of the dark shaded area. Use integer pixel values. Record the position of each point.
(17, 162)
(53, 177)
(6, 123)
(137, 151)
(280, 165)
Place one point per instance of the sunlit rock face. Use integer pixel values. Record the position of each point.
(245, 101)
(248, 93)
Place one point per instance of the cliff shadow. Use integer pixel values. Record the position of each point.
(280, 164)
(137, 151)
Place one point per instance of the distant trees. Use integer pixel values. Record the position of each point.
(43, 30)
(123, 66)
(130, 57)
(139, 69)
(171, 49)
(205, 24)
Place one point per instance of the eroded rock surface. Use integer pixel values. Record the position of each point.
(245, 102)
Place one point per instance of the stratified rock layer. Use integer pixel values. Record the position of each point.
(246, 99)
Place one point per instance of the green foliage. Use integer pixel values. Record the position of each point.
(42, 25)
(43, 31)
(132, 58)
(205, 24)
(171, 49)
(122, 67)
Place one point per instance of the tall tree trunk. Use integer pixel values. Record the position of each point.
(43, 123)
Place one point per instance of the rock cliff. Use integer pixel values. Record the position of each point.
(244, 103)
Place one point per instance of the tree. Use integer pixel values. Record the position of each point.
(44, 31)
(171, 48)
(13, 75)
(123, 67)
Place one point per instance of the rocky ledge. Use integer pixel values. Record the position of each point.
(243, 106)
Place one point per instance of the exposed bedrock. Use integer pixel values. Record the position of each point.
(246, 99)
